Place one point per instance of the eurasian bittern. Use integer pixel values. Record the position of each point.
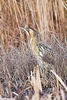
(42, 53)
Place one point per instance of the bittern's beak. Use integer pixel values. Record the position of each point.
(25, 30)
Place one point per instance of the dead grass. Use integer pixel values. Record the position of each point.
(16, 59)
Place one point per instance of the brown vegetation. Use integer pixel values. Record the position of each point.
(49, 18)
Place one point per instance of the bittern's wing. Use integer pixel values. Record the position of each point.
(46, 54)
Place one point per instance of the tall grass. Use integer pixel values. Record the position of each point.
(41, 15)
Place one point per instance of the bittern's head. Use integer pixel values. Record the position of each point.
(31, 33)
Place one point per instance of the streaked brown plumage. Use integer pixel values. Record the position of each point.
(42, 53)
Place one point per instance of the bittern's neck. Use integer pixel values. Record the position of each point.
(33, 42)
(33, 46)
